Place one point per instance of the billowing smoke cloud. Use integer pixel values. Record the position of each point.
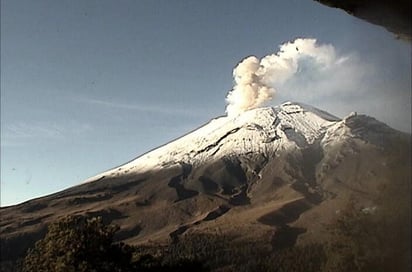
(255, 79)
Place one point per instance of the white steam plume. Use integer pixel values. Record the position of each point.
(255, 80)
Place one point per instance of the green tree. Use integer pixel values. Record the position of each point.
(79, 244)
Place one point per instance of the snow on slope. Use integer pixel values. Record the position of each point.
(261, 130)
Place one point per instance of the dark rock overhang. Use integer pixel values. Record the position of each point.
(394, 15)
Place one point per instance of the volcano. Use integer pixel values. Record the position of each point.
(277, 176)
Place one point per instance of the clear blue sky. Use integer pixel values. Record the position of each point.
(89, 85)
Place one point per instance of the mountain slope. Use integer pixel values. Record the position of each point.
(289, 168)
(261, 130)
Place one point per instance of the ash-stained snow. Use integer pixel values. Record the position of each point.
(259, 131)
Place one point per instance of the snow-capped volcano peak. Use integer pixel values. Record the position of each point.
(265, 169)
(260, 130)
